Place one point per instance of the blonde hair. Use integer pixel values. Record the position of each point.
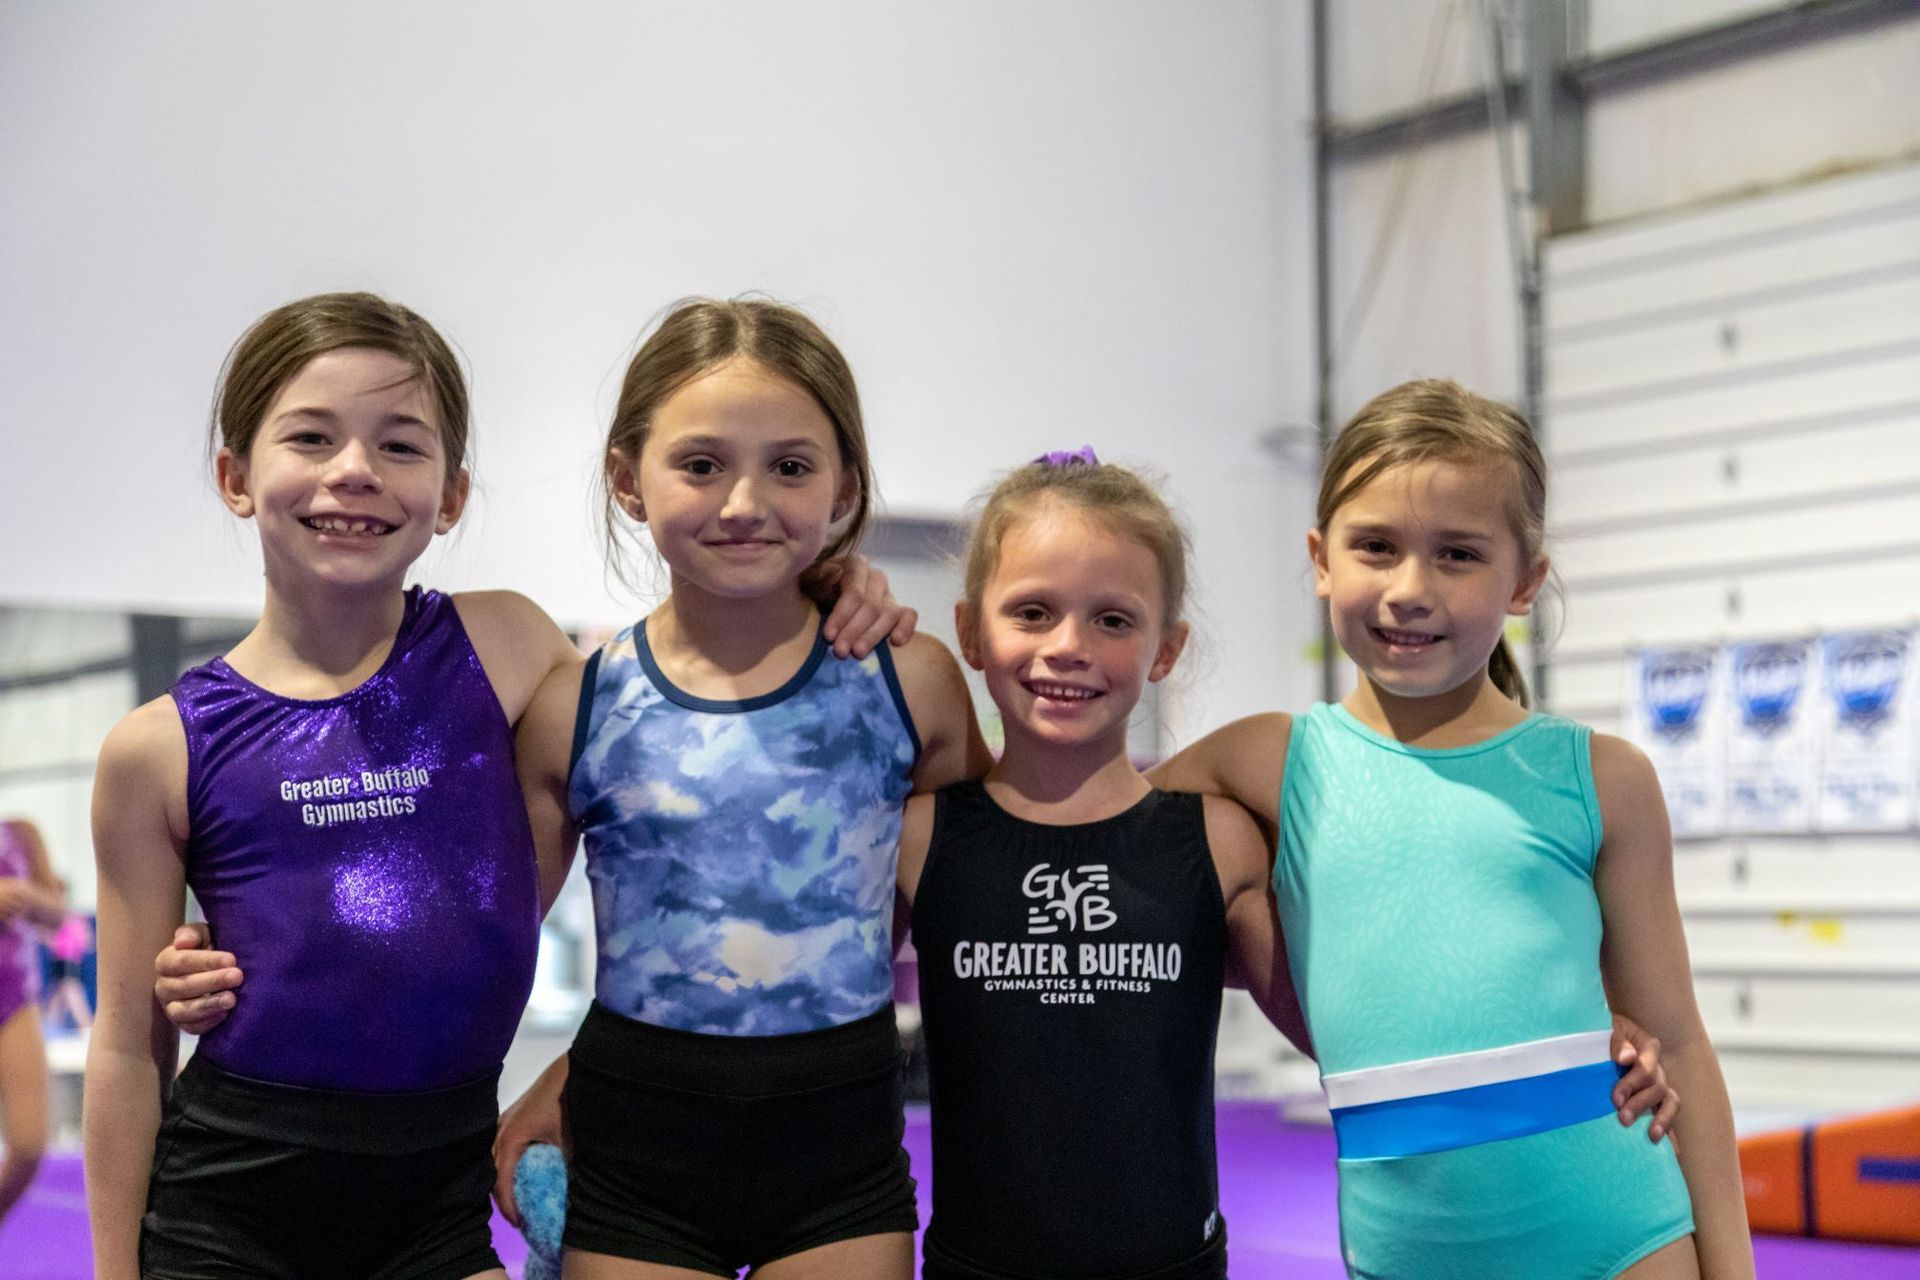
(1434, 419)
(1116, 497)
(700, 334)
(282, 342)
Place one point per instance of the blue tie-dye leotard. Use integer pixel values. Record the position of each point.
(742, 853)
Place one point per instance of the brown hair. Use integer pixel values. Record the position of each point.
(1116, 497)
(1433, 419)
(700, 334)
(281, 343)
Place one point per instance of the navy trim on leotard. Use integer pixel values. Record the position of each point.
(583, 711)
(899, 696)
(693, 702)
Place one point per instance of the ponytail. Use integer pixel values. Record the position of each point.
(1504, 670)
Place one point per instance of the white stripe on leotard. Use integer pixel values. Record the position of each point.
(1465, 1070)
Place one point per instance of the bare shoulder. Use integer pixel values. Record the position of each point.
(941, 708)
(925, 662)
(143, 764)
(502, 610)
(1625, 784)
(517, 643)
(1619, 767)
(931, 680)
(1633, 812)
(149, 740)
(1238, 847)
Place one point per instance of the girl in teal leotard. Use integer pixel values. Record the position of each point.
(1468, 890)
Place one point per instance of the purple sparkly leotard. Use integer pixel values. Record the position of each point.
(368, 861)
(19, 945)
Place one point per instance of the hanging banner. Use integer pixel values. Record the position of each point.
(1675, 713)
(1869, 738)
(1773, 735)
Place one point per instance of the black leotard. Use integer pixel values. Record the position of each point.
(1070, 977)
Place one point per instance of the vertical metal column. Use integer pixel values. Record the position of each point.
(1323, 296)
(1556, 36)
(158, 654)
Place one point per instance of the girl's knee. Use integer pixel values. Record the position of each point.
(23, 1159)
(24, 1143)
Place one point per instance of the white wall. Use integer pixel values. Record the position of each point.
(1388, 56)
(1735, 429)
(1423, 281)
(1423, 270)
(1846, 101)
(1028, 225)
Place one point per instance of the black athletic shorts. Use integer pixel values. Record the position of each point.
(1209, 1263)
(722, 1152)
(273, 1182)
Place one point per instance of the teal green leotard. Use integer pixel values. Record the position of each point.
(1439, 905)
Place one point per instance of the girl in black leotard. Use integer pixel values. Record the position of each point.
(1074, 924)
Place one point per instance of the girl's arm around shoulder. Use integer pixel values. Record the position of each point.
(543, 756)
(951, 748)
(517, 643)
(1643, 959)
(1256, 959)
(139, 839)
(1243, 761)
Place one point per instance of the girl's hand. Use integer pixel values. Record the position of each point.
(536, 1117)
(194, 983)
(1644, 1086)
(864, 610)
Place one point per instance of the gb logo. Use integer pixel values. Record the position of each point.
(1072, 899)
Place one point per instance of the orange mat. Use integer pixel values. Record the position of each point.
(1852, 1179)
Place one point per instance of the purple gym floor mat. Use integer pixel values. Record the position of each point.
(1276, 1191)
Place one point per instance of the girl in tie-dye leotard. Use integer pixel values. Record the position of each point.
(733, 1096)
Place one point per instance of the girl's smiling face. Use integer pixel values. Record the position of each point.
(1420, 569)
(1070, 629)
(739, 479)
(347, 475)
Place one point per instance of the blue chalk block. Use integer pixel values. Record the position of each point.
(540, 1190)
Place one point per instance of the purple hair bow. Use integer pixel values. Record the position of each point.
(1069, 457)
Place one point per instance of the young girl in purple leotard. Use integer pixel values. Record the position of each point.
(338, 791)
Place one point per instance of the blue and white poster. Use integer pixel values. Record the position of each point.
(1869, 739)
(1675, 701)
(1773, 735)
